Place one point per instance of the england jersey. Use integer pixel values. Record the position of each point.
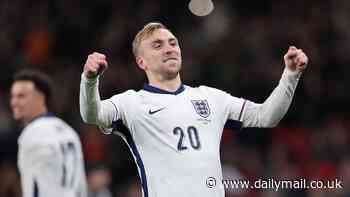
(50, 160)
(175, 136)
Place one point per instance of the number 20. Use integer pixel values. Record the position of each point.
(192, 135)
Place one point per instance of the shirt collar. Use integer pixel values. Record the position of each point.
(48, 114)
(153, 89)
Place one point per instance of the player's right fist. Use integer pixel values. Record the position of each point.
(95, 64)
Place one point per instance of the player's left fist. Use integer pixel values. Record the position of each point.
(296, 60)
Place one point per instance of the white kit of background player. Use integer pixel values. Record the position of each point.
(50, 159)
(175, 135)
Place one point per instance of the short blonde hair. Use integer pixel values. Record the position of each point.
(144, 33)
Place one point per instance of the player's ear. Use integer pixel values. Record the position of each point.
(40, 98)
(141, 63)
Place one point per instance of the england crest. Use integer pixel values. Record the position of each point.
(201, 107)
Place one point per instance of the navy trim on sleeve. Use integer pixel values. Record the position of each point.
(116, 110)
(240, 113)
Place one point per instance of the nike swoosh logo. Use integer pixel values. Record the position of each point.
(155, 111)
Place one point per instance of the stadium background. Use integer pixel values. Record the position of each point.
(238, 48)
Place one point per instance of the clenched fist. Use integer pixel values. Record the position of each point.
(95, 64)
(295, 60)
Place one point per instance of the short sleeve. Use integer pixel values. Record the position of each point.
(231, 108)
(235, 107)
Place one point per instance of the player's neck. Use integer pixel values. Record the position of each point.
(36, 114)
(168, 85)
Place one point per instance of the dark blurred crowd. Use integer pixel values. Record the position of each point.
(238, 48)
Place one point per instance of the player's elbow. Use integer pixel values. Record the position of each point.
(269, 120)
(268, 124)
(88, 118)
(271, 124)
(270, 117)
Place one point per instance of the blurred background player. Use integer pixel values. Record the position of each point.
(99, 180)
(174, 130)
(50, 158)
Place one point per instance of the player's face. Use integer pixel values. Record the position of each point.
(25, 101)
(160, 54)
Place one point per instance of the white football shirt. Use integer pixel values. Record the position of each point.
(50, 159)
(175, 136)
